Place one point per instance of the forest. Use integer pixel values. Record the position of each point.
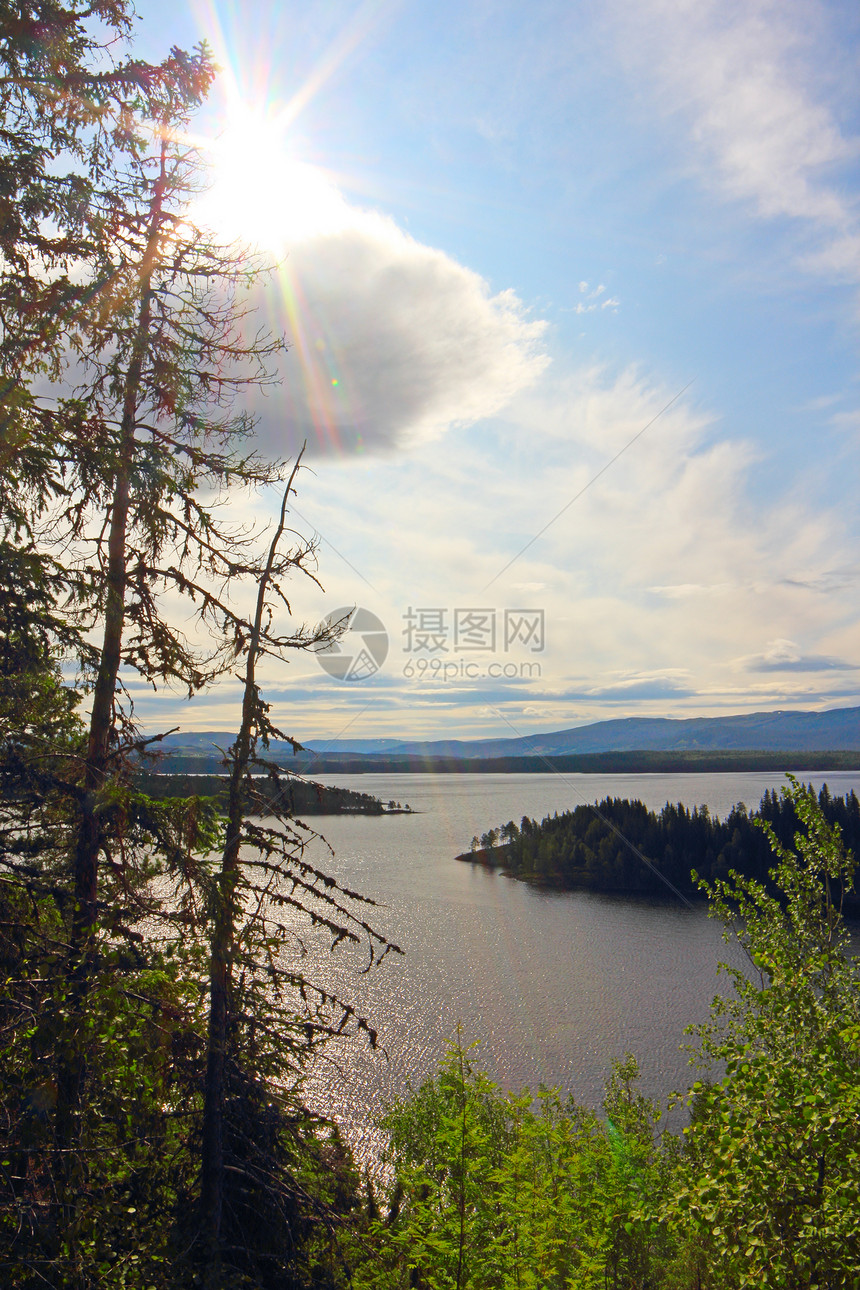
(288, 794)
(156, 1021)
(618, 845)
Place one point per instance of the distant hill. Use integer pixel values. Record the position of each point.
(837, 730)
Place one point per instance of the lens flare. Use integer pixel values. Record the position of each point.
(261, 196)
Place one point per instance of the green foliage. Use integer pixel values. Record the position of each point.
(137, 1048)
(134, 1168)
(494, 1190)
(770, 1174)
(111, 479)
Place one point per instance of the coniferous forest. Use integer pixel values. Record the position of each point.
(156, 1023)
(619, 845)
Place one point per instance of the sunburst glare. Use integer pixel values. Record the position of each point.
(262, 196)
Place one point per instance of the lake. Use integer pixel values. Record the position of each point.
(553, 985)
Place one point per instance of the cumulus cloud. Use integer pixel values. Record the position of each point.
(755, 110)
(392, 341)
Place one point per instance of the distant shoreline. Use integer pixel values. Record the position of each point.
(298, 796)
(637, 762)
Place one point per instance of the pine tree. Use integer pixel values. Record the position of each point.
(133, 318)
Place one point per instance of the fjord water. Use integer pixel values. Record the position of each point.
(554, 985)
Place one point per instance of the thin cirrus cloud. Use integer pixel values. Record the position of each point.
(392, 342)
(624, 691)
(755, 114)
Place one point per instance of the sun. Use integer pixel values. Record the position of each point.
(260, 195)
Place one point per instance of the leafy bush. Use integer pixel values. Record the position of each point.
(770, 1177)
(494, 1190)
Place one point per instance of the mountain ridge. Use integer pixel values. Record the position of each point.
(835, 729)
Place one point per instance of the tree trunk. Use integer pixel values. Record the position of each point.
(224, 923)
(71, 1063)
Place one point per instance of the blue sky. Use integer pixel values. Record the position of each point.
(514, 235)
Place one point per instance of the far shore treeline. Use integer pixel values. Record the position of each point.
(635, 762)
(619, 845)
(297, 796)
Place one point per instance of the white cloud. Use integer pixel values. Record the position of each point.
(592, 300)
(782, 651)
(847, 422)
(747, 77)
(664, 562)
(682, 590)
(393, 342)
(784, 655)
(660, 583)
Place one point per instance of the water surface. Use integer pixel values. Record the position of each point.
(554, 985)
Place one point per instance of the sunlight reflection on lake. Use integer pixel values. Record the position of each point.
(553, 985)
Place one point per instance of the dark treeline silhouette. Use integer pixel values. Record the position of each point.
(595, 847)
(300, 796)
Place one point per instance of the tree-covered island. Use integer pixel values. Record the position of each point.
(618, 845)
(285, 793)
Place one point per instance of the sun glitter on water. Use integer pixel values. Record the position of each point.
(260, 195)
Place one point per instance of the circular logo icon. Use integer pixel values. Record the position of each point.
(360, 649)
